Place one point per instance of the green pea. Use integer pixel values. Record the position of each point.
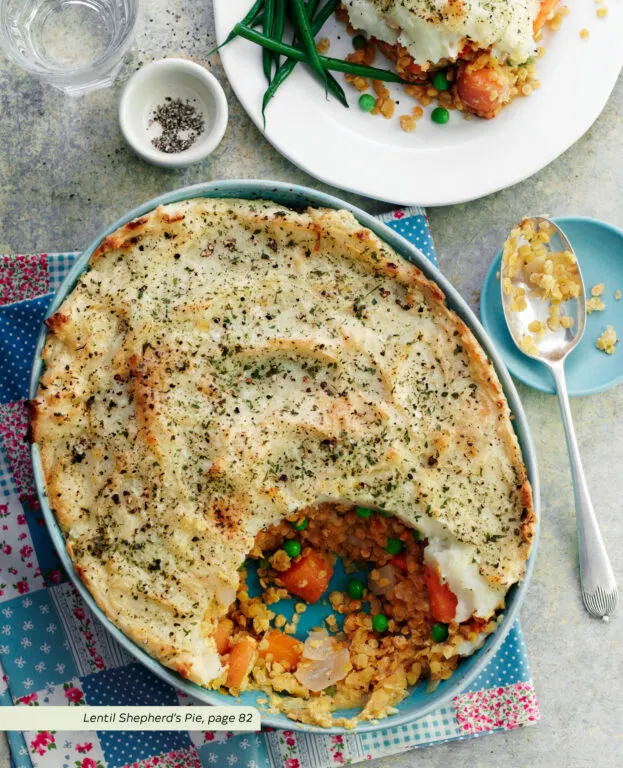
(292, 547)
(439, 632)
(441, 82)
(300, 525)
(330, 691)
(384, 514)
(416, 535)
(394, 546)
(440, 115)
(359, 41)
(363, 512)
(367, 102)
(356, 589)
(380, 623)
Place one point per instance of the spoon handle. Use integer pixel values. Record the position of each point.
(599, 589)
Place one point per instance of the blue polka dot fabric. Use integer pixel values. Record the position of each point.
(54, 651)
(510, 667)
(20, 325)
(412, 224)
(132, 686)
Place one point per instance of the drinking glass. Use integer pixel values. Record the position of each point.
(74, 45)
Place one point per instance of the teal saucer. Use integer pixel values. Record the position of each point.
(599, 248)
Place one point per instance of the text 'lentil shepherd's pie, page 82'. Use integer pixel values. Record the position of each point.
(236, 387)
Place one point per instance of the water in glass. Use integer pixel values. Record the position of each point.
(75, 45)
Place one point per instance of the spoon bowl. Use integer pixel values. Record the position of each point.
(554, 345)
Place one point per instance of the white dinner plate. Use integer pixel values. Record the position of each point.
(436, 164)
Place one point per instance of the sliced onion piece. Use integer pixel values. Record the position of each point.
(321, 673)
(225, 594)
(324, 662)
(385, 582)
(319, 645)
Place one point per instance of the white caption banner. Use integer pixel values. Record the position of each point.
(173, 718)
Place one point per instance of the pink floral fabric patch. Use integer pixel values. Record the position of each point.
(288, 749)
(507, 707)
(19, 569)
(177, 758)
(43, 742)
(336, 750)
(23, 277)
(13, 432)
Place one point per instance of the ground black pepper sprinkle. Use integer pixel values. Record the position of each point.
(181, 123)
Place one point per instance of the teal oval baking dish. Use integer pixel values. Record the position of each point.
(419, 702)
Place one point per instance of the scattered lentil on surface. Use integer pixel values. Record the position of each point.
(607, 341)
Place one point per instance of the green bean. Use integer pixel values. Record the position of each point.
(303, 27)
(323, 14)
(286, 69)
(335, 65)
(278, 25)
(248, 19)
(314, 15)
(361, 70)
(310, 9)
(267, 55)
(336, 89)
(281, 75)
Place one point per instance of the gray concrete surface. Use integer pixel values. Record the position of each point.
(65, 172)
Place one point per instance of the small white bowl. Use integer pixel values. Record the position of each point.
(176, 79)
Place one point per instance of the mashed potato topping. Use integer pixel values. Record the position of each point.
(454, 561)
(432, 30)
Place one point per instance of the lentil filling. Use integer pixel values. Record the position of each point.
(381, 634)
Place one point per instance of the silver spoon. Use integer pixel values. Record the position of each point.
(599, 589)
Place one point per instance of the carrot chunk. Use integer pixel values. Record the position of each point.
(222, 635)
(284, 649)
(484, 91)
(308, 577)
(443, 601)
(547, 7)
(400, 561)
(240, 661)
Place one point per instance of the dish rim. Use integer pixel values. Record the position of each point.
(259, 189)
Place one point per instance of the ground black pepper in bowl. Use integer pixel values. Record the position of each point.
(181, 122)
